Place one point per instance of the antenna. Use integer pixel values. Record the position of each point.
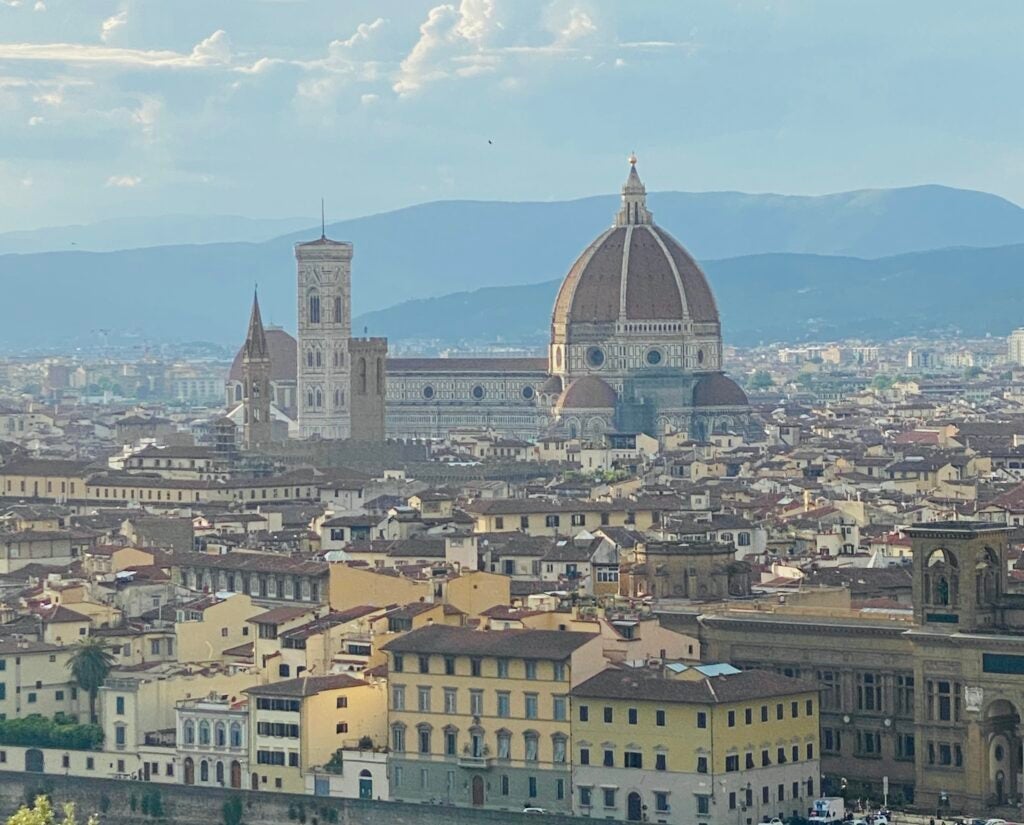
(323, 222)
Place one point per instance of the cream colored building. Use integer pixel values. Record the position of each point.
(481, 718)
(296, 726)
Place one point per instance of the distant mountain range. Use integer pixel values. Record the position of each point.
(765, 298)
(765, 255)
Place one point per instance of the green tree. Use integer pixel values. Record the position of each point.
(232, 811)
(882, 382)
(42, 813)
(761, 380)
(972, 372)
(89, 664)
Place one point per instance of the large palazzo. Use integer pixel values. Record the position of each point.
(636, 346)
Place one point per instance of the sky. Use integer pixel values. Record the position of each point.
(114, 108)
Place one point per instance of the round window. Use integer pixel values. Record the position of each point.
(654, 357)
(527, 393)
(478, 392)
(595, 356)
(428, 391)
(700, 356)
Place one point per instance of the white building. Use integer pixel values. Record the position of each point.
(211, 741)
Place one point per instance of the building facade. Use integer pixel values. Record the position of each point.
(483, 719)
(709, 745)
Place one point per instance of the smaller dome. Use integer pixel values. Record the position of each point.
(553, 386)
(283, 351)
(715, 390)
(588, 393)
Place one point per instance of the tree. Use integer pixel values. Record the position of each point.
(232, 811)
(42, 813)
(761, 380)
(972, 372)
(882, 381)
(89, 664)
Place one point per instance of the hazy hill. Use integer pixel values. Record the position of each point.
(202, 291)
(134, 232)
(766, 298)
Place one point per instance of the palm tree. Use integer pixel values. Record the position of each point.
(89, 665)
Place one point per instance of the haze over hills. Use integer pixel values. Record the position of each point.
(764, 298)
(201, 292)
(134, 232)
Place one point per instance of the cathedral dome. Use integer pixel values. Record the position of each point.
(283, 354)
(634, 271)
(588, 393)
(715, 390)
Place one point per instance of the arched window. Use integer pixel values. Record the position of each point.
(309, 358)
(220, 773)
(362, 376)
(987, 577)
(398, 738)
(337, 309)
(942, 579)
(236, 735)
(220, 735)
(319, 398)
(190, 732)
(558, 748)
(204, 733)
(337, 398)
(204, 771)
(380, 376)
(238, 392)
(319, 359)
(337, 358)
(309, 397)
(314, 308)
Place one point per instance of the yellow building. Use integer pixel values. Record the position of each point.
(208, 626)
(482, 718)
(706, 744)
(298, 724)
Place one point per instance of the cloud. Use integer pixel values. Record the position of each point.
(448, 34)
(346, 60)
(578, 26)
(112, 24)
(369, 99)
(123, 181)
(39, 6)
(213, 50)
(35, 120)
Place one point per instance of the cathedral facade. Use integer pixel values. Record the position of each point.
(636, 346)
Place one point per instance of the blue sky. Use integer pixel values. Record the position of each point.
(257, 107)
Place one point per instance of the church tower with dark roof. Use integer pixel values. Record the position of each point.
(256, 382)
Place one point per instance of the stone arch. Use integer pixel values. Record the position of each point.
(941, 578)
(1002, 752)
(986, 577)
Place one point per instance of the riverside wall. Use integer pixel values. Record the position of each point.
(112, 801)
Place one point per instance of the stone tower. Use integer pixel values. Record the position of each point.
(256, 382)
(369, 388)
(324, 272)
(960, 575)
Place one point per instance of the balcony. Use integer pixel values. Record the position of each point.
(478, 758)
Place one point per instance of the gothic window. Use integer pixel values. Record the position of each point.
(319, 398)
(309, 358)
(362, 376)
(337, 358)
(337, 398)
(238, 392)
(337, 309)
(319, 359)
(309, 397)
(314, 308)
